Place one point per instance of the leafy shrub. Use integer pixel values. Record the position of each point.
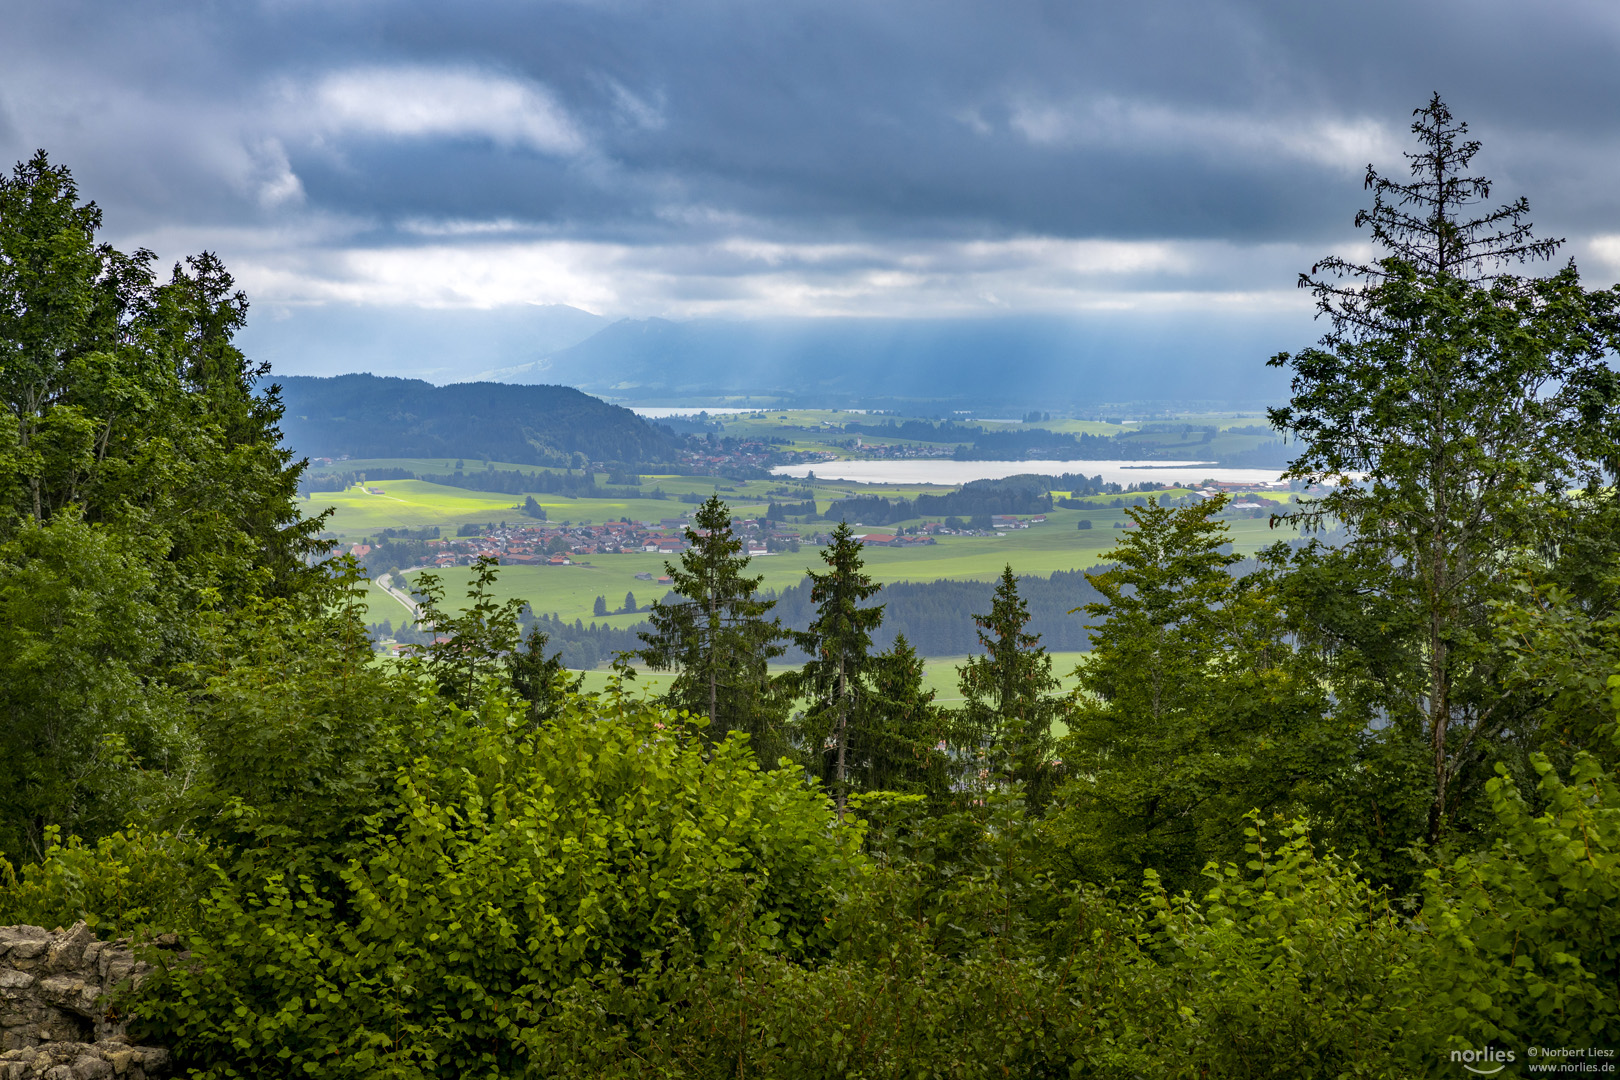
(1292, 965)
(1527, 936)
(528, 864)
(130, 882)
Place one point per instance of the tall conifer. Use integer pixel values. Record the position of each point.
(716, 637)
(1449, 412)
(1011, 693)
(839, 642)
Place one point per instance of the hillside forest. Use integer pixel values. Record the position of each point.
(1352, 810)
(557, 427)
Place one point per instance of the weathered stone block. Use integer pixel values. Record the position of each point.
(53, 1019)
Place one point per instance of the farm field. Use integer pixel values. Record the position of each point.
(809, 428)
(570, 591)
(939, 676)
(360, 515)
(416, 504)
(1201, 436)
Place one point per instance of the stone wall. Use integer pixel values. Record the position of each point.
(54, 1022)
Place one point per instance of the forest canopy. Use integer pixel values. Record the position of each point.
(1349, 810)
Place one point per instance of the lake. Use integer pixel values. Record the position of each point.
(952, 473)
(665, 414)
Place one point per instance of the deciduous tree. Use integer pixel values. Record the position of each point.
(468, 649)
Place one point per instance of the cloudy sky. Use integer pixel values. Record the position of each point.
(764, 158)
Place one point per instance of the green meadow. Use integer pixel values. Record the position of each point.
(571, 591)
(940, 676)
(358, 515)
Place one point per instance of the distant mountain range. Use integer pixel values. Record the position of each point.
(364, 416)
(986, 361)
(1028, 361)
(441, 345)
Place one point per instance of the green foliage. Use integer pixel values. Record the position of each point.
(953, 956)
(468, 649)
(144, 494)
(839, 643)
(82, 735)
(300, 733)
(1291, 965)
(130, 401)
(539, 680)
(716, 639)
(1527, 935)
(492, 883)
(1470, 403)
(1560, 629)
(1010, 700)
(127, 883)
(902, 740)
(1194, 709)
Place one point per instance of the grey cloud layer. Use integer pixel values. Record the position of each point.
(836, 156)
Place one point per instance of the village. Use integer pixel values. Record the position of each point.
(567, 544)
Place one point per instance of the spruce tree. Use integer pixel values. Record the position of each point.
(1011, 694)
(716, 637)
(901, 740)
(839, 642)
(539, 680)
(1193, 711)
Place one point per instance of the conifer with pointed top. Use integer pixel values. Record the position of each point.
(901, 741)
(716, 638)
(1011, 693)
(839, 642)
(1450, 413)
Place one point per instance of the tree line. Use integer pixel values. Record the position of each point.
(1354, 810)
(977, 498)
(867, 722)
(936, 617)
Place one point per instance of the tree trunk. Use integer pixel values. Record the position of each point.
(843, 730)
(1439, 653)
(1439, 721)
(713, 661)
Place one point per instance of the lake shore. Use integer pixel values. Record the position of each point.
(950, 473)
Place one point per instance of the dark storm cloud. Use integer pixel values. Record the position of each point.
(648, 154)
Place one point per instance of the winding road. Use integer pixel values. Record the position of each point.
(386, 584)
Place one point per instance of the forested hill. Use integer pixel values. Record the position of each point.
(365, 416)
